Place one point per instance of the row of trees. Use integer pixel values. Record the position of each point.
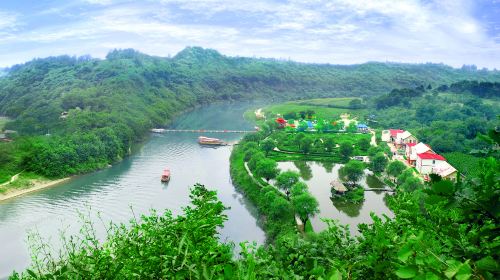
(301, 201)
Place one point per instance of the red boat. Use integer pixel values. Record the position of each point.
(165, 177)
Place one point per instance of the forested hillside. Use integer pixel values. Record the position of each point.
(95, 109)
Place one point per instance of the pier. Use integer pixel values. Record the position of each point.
(162, 130)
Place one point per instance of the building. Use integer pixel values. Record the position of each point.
(408, 148)
(429, 161)
(363, 128)
(405, 137)
(446, 171)
(386, 136)
(414, 150)
(281, 122)
(393, 134)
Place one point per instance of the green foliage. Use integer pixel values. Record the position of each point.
(267, 145)
(378, 162)
(305, 206)
(352, 172)
(266, 168)
(285, 180)
(395, 168)
(345, 150)
(467, 164)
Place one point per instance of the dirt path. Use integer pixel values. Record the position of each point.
(12, 179)
(373, 141)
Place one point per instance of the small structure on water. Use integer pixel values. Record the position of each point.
(202, 140)
(338, 187)
(165, 176)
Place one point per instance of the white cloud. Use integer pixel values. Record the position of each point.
(8, 20)
(334, 31)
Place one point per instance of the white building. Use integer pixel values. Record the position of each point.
(446, 171)
(429, 161)
(405, 137)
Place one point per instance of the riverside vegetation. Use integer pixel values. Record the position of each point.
(440, 230)
(95, 110)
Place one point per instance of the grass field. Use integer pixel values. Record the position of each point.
(466, 164)
(320, 111)
(342, 102)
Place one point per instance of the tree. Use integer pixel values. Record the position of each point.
(299, 188)
(329, 143)
(355, 104)
(352, 172)
(346, 150)
(285, 181)
(411, 184)
(352, 127)
(266, 168)
(378, 162)
(279, 207)
(254, 159)
(395, 168)
(298, 138)
(268, 145)
(305, 206)
(305, 144)
(364, 144)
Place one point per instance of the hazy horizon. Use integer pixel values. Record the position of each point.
(342, 32)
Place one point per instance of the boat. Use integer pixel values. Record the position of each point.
(165, 177)
(202, 140)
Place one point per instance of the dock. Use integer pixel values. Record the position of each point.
(162, 130)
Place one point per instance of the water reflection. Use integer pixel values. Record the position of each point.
(318, 175)
(304, 170)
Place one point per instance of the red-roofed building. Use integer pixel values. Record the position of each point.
(281, 122)
(394, 134)
(428, 161)
(408, 148)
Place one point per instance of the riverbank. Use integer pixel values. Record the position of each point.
(29, 186)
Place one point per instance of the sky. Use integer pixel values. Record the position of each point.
(453, 32)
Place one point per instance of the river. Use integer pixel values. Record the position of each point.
(135, 182)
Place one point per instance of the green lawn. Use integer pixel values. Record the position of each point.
(342, 102)
(320, 110)
(466, 164)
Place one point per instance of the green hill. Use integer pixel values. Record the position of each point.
(95, 109)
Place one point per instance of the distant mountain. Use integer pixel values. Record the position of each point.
(96, 108)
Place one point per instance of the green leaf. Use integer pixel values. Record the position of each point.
(431, 276)
(465, 271)
(453, 267)
(405, 252)
(488, 264)
(335, 275)
(407, 272)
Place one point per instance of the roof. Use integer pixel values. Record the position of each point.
(362, 125)
(395, 132)
(421, 148)
(444, 170)
(280, 120)
(428, 155)
(338, 186)
(403, 135)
